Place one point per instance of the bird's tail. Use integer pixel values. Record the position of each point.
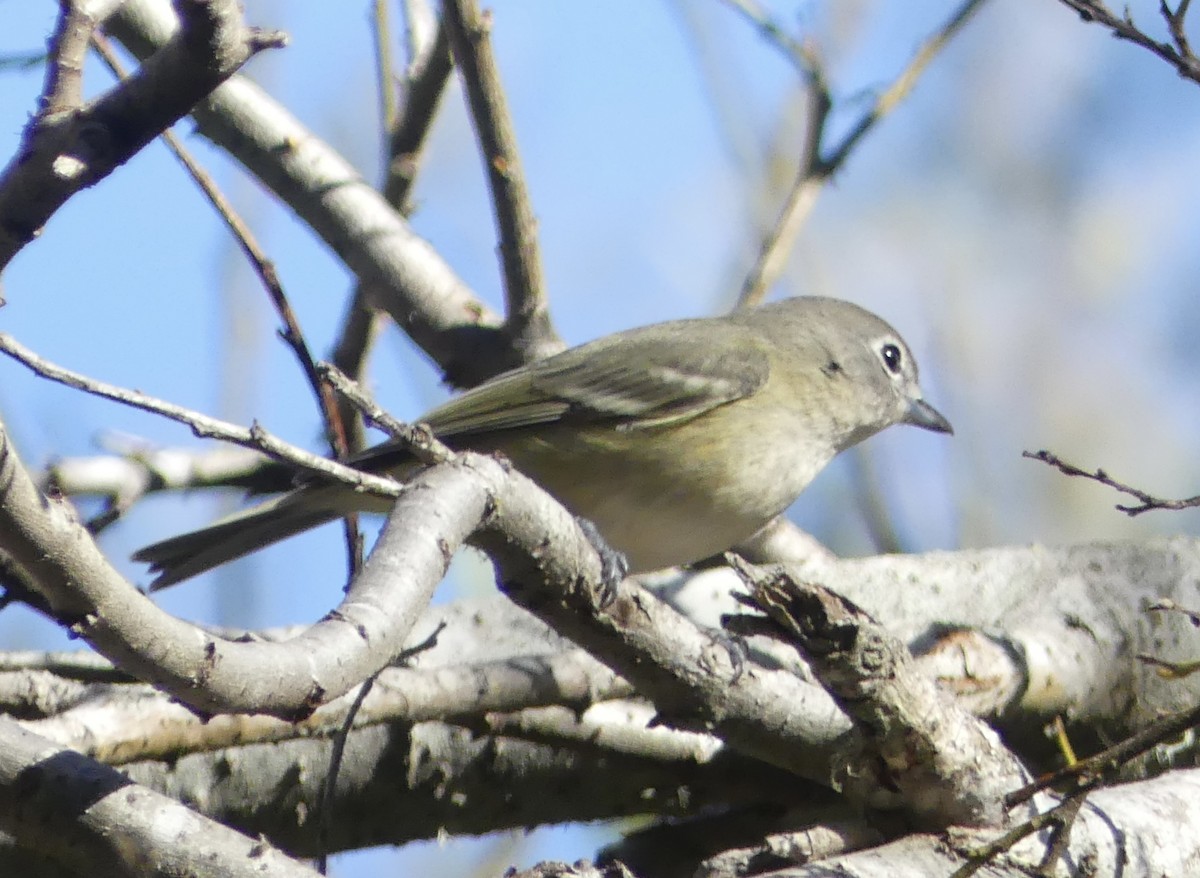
(190, 554)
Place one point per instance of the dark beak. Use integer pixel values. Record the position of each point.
(922, 414)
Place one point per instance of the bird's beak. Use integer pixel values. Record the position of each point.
(922, 414)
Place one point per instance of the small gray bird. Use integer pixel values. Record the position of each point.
(677, 440)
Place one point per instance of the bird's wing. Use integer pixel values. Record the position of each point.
(660, 376)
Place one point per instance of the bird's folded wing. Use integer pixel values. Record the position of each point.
(640, 378)
(643, 378)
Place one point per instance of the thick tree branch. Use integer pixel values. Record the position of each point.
(688, 672)
(68, 146)
(63, 89)
(449, 779)
(1147, 828)
(211, 673)
(95, 820)
(136, 723)
(917, 744)
(421, 292)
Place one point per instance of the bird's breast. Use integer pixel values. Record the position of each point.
(674, 494)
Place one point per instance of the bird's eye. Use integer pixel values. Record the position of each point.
(892, 357)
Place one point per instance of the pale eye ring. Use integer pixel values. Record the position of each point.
(892, 358)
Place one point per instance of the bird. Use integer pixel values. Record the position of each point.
(676, 440)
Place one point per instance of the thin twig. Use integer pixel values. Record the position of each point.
(385, 66)
(1065, 816)
(799, 53)
(777, 243)
(418, 439)
(202, 425)
(1175, 23)
(903, 84)
(1166, 605)
(1169, 670)
(429, 70)
(1063, 740)
(264, 268)
(22, 61)
(1179, 56)
(527, 318)
(1087, 775)
(337, 752)
(1088, 772)
(63, 88)
(262, 265)
(428, 73)
(1146, 502)
(1061, 817)
(815, 168)
(360, 327)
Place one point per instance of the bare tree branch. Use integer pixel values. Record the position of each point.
(135, 723)
(917, 744)
(203, 426)
(419, 439)
(428, 72)
(816, 167)
(528, 318)
(264, 269)
(421, 292)
(689, 673)
(212, 674)
(385, 67)
(1146, 502)
(450, 779)
(63, 89)
(1104, 766)
(135, 469)
(429, 69)
(75, 809)
(801, 55)
(1071, 621)
(67, 146)
(1179, 55)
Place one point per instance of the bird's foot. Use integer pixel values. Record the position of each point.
(736, 648)
(614, 566)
